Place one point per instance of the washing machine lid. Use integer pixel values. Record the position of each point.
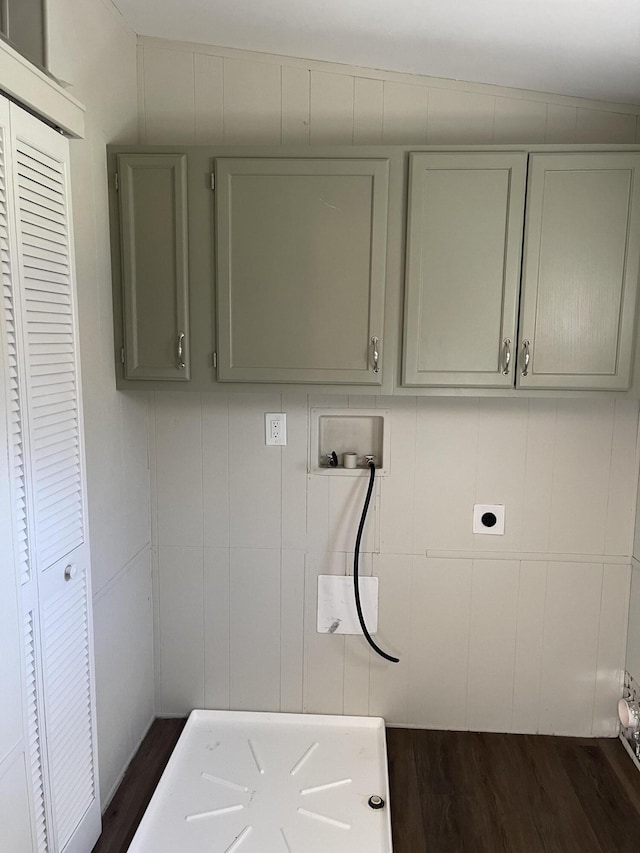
(243, 782)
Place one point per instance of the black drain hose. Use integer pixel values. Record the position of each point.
(356, 582)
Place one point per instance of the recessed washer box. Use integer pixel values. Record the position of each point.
(340, 431)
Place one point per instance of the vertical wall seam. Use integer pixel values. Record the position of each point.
(281, 104)
(542, 650)
(605, 529)
(224, 100)
(595, 672)
(553, 478)
(493, 120)
(637, 473)
(193, 95)
(426, 114)
(469, 612)
(515, 645)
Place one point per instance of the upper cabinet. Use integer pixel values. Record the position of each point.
(464, 238)
(152, 194)
(579, 280)
(377, 269)
(301, 247)
(580, 272)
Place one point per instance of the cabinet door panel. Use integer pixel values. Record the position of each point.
(463, 266)
(580, 273)
(153, 221)
(301, 267)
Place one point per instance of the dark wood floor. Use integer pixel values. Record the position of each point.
(460, 792)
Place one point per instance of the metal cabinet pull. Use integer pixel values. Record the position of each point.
(526, 352)
(375, 355)
(506, 356)
(180, 351)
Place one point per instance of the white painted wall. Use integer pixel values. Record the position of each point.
(522, 633)
(92, 49)
(633, 638)
(541, 45)
(195, 93)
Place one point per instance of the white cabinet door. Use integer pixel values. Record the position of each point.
(580, 271)
(155, 275)
(464, 237)
(301, 263)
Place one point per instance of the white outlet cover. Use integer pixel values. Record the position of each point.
(479, 526)
(275, 428)
(337, 612)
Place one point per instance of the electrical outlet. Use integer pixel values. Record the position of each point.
(275, 428)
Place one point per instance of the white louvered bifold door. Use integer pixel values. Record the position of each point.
(14, 366)
(12, 358)
(34, 729)
(58, 639)
(65, 643)
(48, 325)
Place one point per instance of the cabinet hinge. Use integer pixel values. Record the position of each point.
(213, 180)
(122, 355)
(116, 181)
(214, 359)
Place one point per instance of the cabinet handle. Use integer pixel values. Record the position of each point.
(506, 357)
(526, 352)
(70, 572)
(375, 355)
(180, 351)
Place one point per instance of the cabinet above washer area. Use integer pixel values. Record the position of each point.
(495, 270)
(575, 275)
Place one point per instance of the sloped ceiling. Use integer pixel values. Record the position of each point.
(588, 48)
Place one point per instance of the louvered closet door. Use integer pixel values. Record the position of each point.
(48, 325)
(12, 363)
(57, 553)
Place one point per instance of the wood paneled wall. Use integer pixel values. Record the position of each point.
(524, 632)
(521, 633)
(198, 94)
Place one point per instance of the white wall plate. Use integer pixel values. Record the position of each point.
(488, 519)
(337, 612)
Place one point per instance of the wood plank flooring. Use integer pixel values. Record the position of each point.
(460, 792)
(124, 812)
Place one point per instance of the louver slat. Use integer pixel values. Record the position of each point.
(33, 722)
(65, 641)
(15, 391)
(52, 376)
(37, 180)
